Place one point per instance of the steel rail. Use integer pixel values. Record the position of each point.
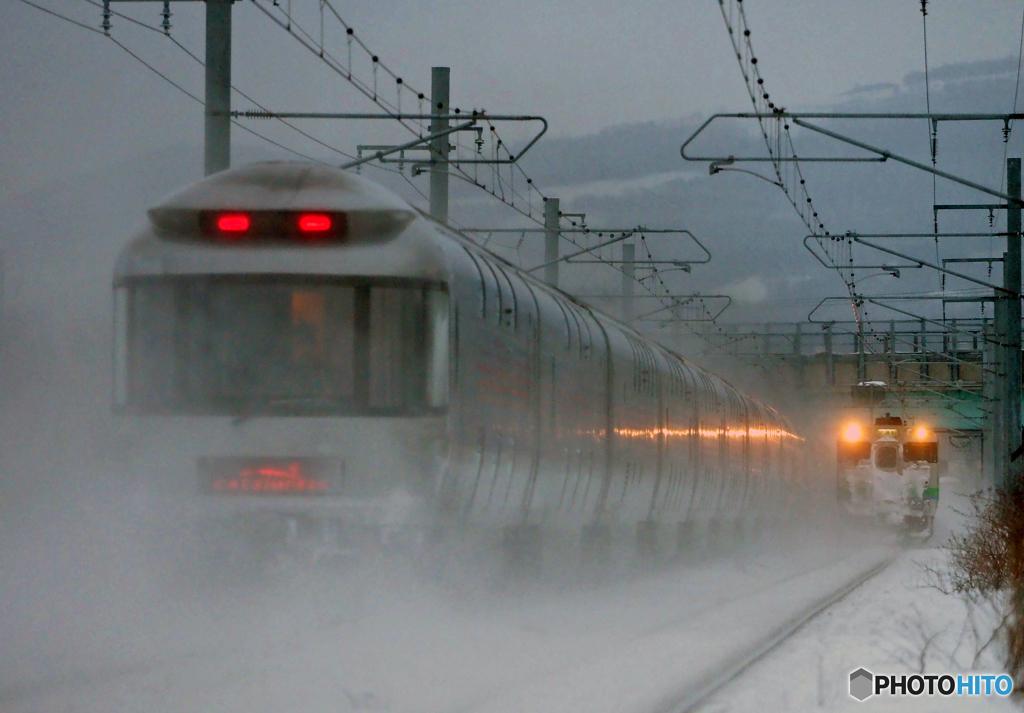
(693, 700)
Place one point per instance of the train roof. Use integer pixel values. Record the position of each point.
(381, 234)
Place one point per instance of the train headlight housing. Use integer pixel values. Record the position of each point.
(852, 432)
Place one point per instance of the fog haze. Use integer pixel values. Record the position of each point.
(93, 138)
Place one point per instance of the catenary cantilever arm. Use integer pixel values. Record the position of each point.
(415, 142)
(925, 263)
(886, 154)
(910, 266)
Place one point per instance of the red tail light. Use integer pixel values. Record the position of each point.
(314, 223)
(233, 223)
(257, 226)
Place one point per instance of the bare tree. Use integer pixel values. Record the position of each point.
(986, 562)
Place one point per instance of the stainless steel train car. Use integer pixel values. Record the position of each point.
(325, 357)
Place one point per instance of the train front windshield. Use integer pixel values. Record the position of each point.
(280, 345)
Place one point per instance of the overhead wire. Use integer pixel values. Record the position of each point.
(241, 93)
(174, 84)
(234, 88)
(149, 66)
(778, 139)
(933, 145)
(306, 38)
(62, 17)
(500, 181)
(1007, 128)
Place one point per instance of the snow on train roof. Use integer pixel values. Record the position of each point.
(285, 186)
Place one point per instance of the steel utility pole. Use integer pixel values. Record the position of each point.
(551, 222)
(218, 86)
(1001, 389)
(1011, 339)
(440, 78)
(217, 126)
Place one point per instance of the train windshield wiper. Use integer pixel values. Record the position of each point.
(260, 407)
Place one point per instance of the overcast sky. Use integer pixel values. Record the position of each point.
(73, 99)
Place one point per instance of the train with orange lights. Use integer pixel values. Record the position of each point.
(327, 360)
(888, 471)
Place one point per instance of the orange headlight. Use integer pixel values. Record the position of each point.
(852, 433)
(921, 433)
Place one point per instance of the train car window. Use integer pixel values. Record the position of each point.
(914, 451)
(153, 354)
(847, 452)
(887, 457)
(396, 345)
(282, 345)
(437, 348)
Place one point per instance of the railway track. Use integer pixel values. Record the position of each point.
(678, 667)
(667, 667)
(694, 699)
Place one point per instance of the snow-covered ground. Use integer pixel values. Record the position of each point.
(895, 623)
(395, 635)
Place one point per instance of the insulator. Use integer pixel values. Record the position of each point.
(166, 15)
(106, 18)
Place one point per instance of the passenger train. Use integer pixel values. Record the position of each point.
(327, 359)
(889, 472)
